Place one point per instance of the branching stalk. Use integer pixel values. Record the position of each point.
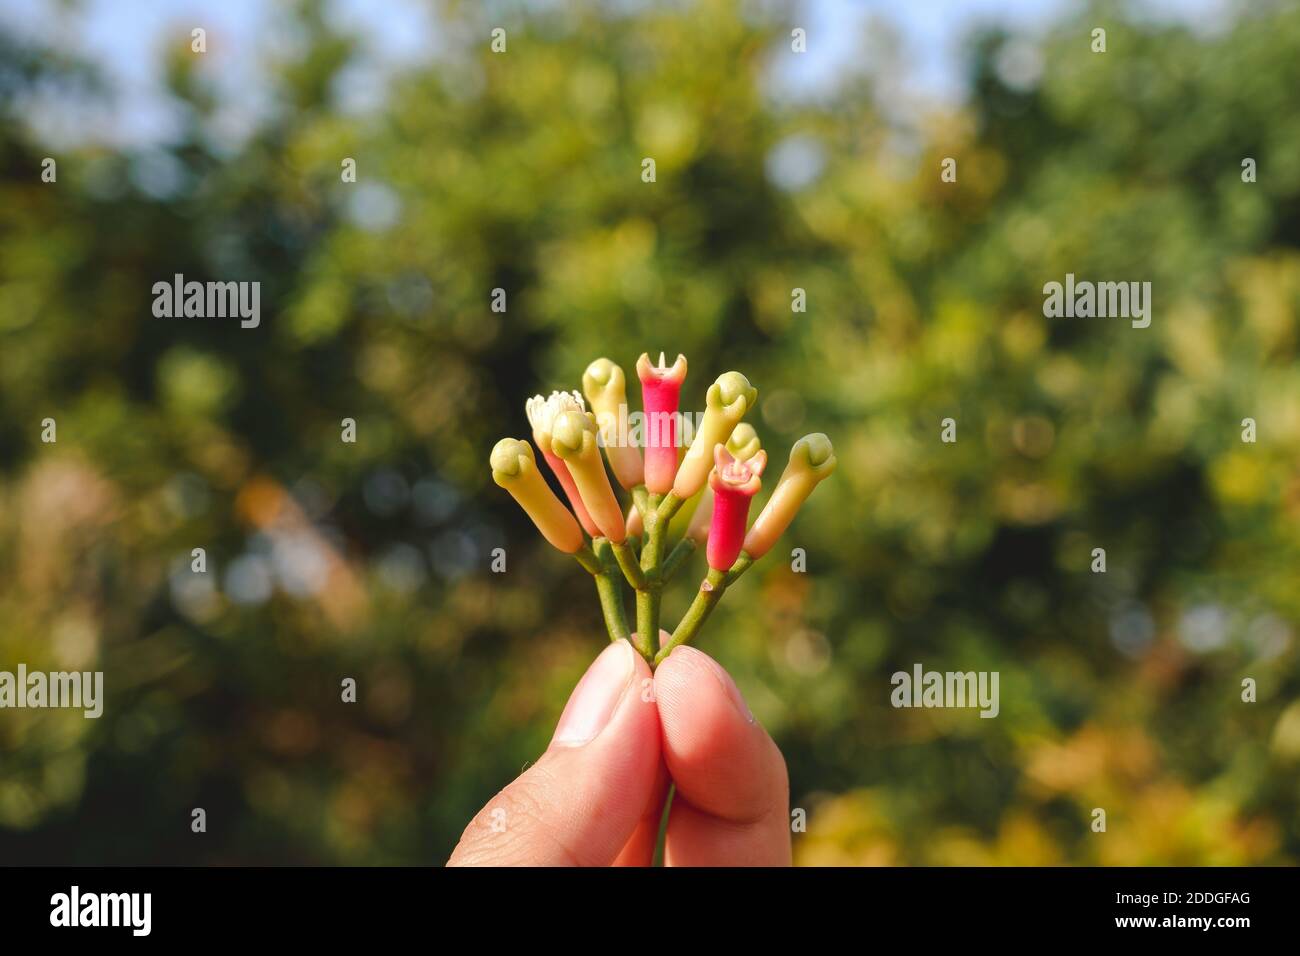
(626, 559)
(588, 559)
(641, 498)
(650, 593)
(609, 592)
(711, 590)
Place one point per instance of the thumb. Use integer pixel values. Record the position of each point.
(579, 804)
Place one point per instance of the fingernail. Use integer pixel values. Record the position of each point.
(593, 701)
(728, 685)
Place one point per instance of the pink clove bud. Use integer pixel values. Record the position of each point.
(734, 485)
(660, 395)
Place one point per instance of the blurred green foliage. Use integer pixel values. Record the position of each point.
(521, 171)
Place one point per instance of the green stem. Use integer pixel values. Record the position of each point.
(611, 597)
(711, 590)
(626, 559)
(662, 841)
(706, 599)
(647, 623)
(740, 567)
(650, 590)
(670, 505)
(656, 530)
(652, 550)
(641, 498)
(587, 558)
(611, 605)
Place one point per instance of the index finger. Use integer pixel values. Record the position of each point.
(733, 793)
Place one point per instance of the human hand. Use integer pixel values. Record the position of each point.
(595, 798)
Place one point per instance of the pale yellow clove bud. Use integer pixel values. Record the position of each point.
(573, 438)
(727, 401)
(744, 443)
(606, 389)
(541, 412)
(515, 470)
(811, 459)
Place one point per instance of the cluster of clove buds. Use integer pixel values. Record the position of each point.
(701, 497)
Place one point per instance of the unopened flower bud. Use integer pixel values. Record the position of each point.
(573, 438)
(515, 470)
(811, 459)
(660, 395)
(744, 442)
(734, 484)
(541, 414)
(606, 389)
(726, 403)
